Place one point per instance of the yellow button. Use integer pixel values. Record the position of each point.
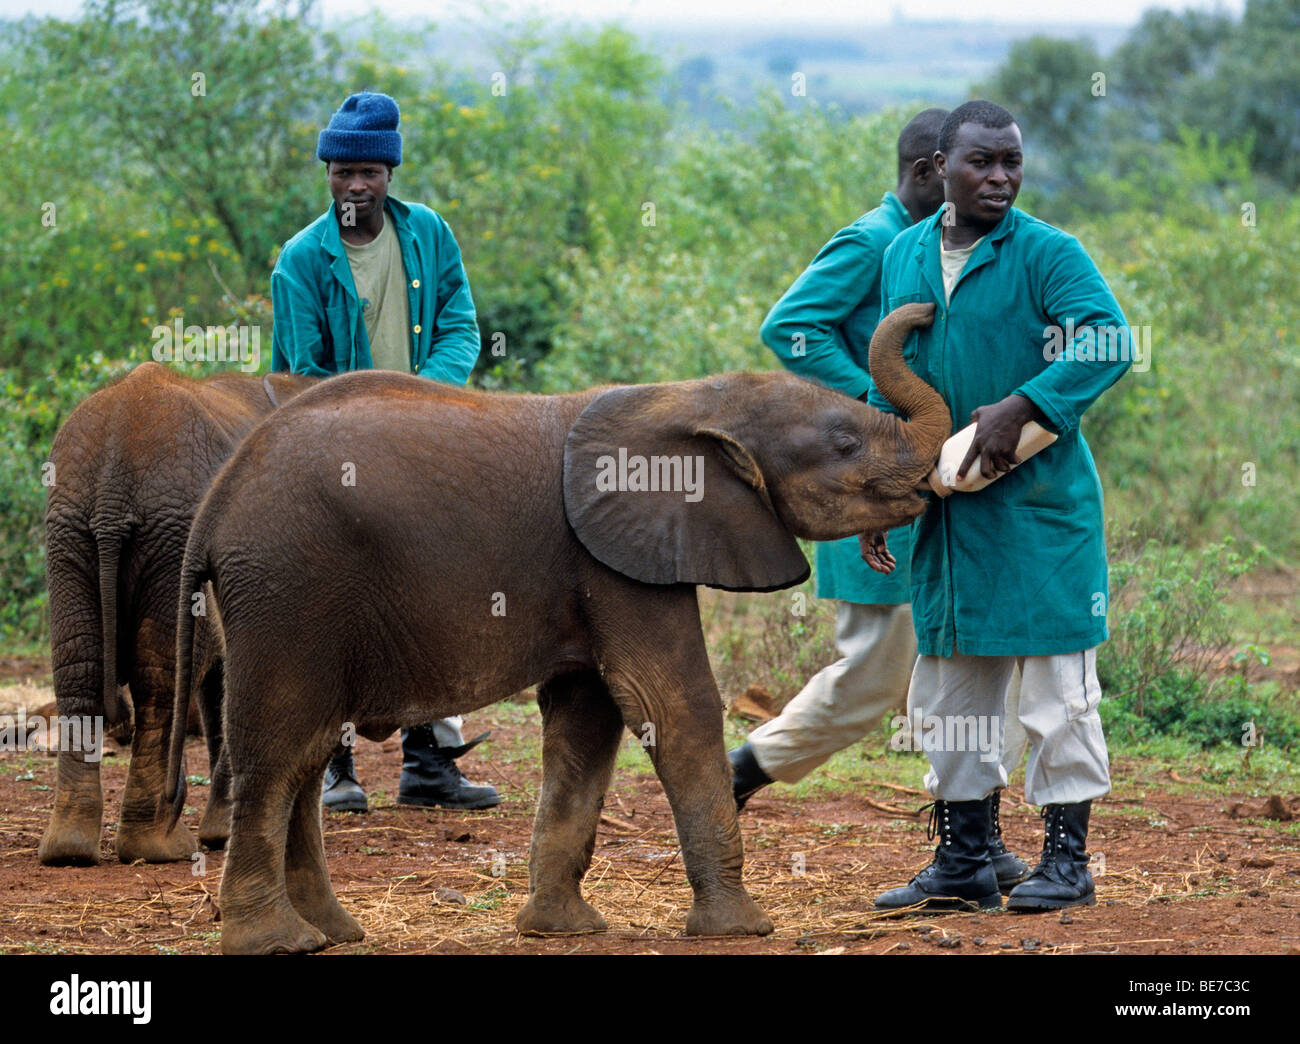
(416, 328)
(415, 284)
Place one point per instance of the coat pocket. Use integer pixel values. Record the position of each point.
(337, 337)
(898, 300)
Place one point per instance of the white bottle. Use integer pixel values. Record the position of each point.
(943, 479)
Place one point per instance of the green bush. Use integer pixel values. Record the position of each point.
(1162, 670)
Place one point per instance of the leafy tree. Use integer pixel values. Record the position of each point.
(209, 108)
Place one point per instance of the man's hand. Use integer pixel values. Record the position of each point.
(998, 434)
(876, 554)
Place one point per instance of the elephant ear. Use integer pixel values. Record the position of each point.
(666, 501)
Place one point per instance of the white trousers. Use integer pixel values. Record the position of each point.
(843, 702)
(1059, 697)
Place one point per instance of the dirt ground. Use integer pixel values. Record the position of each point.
(1175, 873)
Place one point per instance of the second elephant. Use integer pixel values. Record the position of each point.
(131, 464)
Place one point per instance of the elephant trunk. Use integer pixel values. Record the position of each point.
(929, 422)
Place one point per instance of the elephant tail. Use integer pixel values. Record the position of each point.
(109, 546)
(194, 573)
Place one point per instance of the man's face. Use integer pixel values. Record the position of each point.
(982, 172)
(362, 183)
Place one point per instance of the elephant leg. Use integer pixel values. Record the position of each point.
(664, 687)
(72, 835)
(144, 830)
(581, 727)
(214, 830)
(257, 915)
(306, 875)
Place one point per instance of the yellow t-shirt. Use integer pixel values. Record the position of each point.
(380, 278)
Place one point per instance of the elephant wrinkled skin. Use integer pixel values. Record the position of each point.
(131, 464)
(383, 551)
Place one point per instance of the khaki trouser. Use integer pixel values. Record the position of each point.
(843, 702)
(1059, 697)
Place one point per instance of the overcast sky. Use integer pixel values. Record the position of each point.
(749, 11)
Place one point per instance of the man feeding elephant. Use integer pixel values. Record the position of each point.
(821, 329)
(1014, 574)
(375, 283)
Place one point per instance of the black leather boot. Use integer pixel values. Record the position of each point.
(430, 776)
(1009, 867)
(340, 791)
(961, 877)
(747, 778)
(1062, 877)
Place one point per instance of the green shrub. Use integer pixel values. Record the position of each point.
(1163, 668)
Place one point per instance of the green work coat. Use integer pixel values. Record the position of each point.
(1018, 568)
(821, 329)
(319, 329)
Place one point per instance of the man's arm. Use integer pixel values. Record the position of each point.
(455, 344)
(297, 340)
(1074, 292)
(802, 327)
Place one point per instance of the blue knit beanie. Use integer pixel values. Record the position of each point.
(364, 128)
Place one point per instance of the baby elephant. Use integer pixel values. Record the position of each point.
(384, 550)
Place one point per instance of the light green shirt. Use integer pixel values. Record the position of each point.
(380, 280)
(952, 262)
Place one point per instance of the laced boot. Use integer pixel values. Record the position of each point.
(1061, 877)
(340, 791)
(961, 877)
(1009, 867)
(747, 777)
(430, 776)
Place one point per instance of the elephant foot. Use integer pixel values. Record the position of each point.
(70, 842)
(571, 915)
(154, 843)
(734, 915)
(280, 930)
(329, 917)
(214, 829)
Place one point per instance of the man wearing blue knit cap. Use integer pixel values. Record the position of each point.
(375, 283)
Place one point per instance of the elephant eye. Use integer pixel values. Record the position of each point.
(846, 443)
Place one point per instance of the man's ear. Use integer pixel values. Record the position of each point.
(921, 170)
(940, 163)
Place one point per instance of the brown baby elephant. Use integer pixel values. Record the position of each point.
(131, 464)
(383, 551)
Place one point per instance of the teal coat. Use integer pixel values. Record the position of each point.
(1018, 568)
(821, 329)
(318, 328)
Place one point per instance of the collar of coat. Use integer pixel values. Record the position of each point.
(929, 243)
(332, 242)
(891, 202)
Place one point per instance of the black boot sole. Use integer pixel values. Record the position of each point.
(946, 904)
(346, 806)
(462, 806)
(1035, 905)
